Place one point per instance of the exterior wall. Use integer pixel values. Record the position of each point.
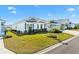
(51, 26)
(21, 26)
(34, 25)
(13, 27)
(2, 28)
(64, 21)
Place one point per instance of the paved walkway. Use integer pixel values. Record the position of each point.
(2, 49)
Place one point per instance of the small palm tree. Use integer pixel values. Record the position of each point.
(62, 27)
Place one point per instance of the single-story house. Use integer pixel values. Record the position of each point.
(61, 22)
(31, 22)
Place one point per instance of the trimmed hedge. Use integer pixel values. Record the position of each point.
(30, 31)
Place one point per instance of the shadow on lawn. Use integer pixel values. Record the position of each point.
(55, 37)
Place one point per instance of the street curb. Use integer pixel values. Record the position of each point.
(55, 46)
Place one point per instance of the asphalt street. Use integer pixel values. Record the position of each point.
(71, 48)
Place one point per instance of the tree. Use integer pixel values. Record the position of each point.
(76, 26)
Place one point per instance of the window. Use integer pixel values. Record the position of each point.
(2, 27)
(33, 26)
(44, 25)
(41, 26)
(2, 24)
(37, 26)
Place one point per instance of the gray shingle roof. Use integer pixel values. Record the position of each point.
(35, 19)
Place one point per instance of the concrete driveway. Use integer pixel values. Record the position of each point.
(2, 49)
(71, 32)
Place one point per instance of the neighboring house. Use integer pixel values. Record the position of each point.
(54, 25)
(64, 23)
(2, 27)
(31, 22)
(61, 22)
(8, 27)
(72, 25)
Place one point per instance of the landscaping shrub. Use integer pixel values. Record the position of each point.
(30, 31)
(25, 32)
(55, 30)
(37, 30)
(45, 30)
(8, 36)
(75, 27)
(54, 36)
(51, 36)
(19, 33)
(40, 30)
(69, 28)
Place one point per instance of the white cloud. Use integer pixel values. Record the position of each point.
(71, 9)
(49, 14)
(36, 5)
(11, 8)
(73, 15)
(14, 12)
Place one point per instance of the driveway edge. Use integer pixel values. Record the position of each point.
(55, 46)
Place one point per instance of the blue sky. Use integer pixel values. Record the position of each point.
(13, 13)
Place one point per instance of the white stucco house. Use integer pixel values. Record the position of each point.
(59, 23)
(2, 26)
(32, 22)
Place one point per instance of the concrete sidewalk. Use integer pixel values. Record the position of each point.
(2, 49)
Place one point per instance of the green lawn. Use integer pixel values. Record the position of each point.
(27, 44)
